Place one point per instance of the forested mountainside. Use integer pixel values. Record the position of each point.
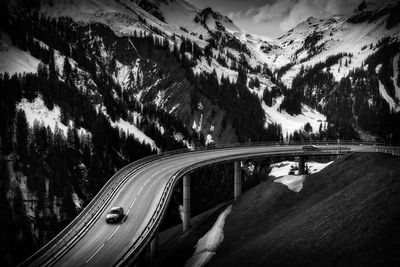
(345, 67)
(89, 86)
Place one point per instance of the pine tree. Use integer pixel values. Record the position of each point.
(308, 128)
(22, 136)
(67, 69)
(52, 66)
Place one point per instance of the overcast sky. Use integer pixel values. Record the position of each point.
(274, 17)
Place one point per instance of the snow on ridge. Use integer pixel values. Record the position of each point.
(337, 36)
(207, 245)
(128, 128)
(123, 16)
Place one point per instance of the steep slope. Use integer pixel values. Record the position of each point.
(345, 215)
(14, 60)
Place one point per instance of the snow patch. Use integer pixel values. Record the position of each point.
(77, 201)
(293, 182)
(131, 129)
(378, 68)
(292, 123)
(208, 244)
(282, 168)
(386, 96)
(14, 60)
(37, 110)
(128, 128)
(395, 75)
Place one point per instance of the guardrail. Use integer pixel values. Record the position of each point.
(53, 250)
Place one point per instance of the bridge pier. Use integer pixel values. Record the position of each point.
(186, 202)
(238, 180)
(302, 166)
(154, 247)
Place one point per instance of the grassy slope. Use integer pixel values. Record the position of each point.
(346, 215)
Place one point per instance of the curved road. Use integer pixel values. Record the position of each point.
(105, 244)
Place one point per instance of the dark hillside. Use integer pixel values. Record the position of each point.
(346, 215)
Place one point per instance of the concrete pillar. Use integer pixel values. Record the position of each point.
(302, 166)
(154, 247)
(186, 202)
(238, 180)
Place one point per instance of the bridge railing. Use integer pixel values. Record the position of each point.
(67, 237)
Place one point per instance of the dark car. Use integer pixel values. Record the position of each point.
(310, 148)
(116, 214)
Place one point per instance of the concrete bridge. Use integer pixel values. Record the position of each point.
(144, 189)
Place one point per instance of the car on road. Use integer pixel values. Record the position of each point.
(116, 214)
(310, 148)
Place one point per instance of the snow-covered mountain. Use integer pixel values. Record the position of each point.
(315, 56)
(315, 39)
(176, 21)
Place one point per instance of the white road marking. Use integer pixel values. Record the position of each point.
(133, 202)
(127, 213)
(116, 229)
(97, 251)
(140, 191)
(147, 181)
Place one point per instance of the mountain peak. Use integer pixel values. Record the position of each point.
(361, 6)
(207, 12)
(366, 6)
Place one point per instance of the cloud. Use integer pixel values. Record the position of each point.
(233, 15)
(292, 12)
(269, 12)
(250, 11)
